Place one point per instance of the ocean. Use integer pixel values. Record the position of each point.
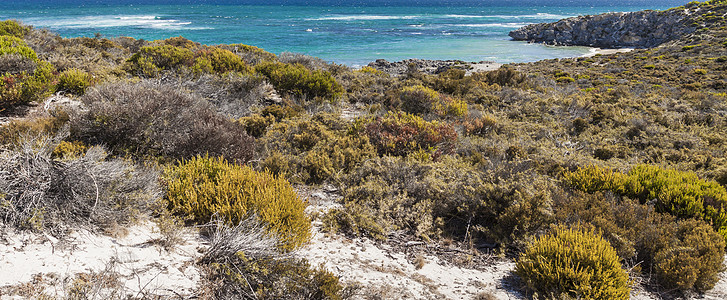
(345, 32)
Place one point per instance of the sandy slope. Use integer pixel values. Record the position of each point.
(139, 264)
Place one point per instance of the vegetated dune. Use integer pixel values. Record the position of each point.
(250, 175)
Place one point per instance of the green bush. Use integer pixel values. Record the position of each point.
(74, 81)
(447, 198)
(250, 54)
(23, 87)
(682, 194)
(202, 187)
(314, 149)
(576, 263)
(694, 262)
(300, 81)
(14, 45)
(216, 60)
(12, 28)
(684, 255)
(402, 133)
(418, 99)
(423, 100)
(149, 61)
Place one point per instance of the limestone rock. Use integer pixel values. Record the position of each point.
(641, 29)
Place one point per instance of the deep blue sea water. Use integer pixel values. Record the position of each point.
(348, 32)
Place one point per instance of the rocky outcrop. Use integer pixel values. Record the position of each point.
(426, 66)
(642, 29)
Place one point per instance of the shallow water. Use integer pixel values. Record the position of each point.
(352, 35)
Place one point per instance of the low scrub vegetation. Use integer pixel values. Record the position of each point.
(682, 194)
(575, 264)
(157, 121)
(203, 188)
(57, 193)
(620, 157)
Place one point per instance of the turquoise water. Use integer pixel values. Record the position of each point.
(352, 35)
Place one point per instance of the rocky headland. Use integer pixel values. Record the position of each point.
(642, 29)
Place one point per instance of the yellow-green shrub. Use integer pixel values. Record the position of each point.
(14, 45)
(255, 125)
(24, 87)
(298, 80)
(419, 99)
(202, 187)
(149, 61)
(216, 60)
(74, 81)
(683, 254)
(72, 149)
(12, 28)
(682, 194)
(577, 263)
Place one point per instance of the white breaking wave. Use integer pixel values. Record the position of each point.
(108, 21)
(362, 17)
(497, 25)
(464, 16)
(533, 16)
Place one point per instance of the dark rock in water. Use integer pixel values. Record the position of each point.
(641, 29)
(426, 66)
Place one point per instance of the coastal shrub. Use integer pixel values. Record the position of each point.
(573, 263)
(250, 54)
(682, 194)
(19, 85)
(684, 255)
(15, 64)
(38, 192)
(242, 263)
(23, 88)
(418, 99)
(66, 149)
(281, 112)
(202, 187)
(256, 125)
(505, 76)
(299, 81)
(74, 81)
(402, 133)
(423, 100)
(216, 60)
(151, 60)
(481, 126)
(15, 51)
(694, 262)
(433, 199)
(181, 42)
(314, 149)
(147, 119)
(50, 125)
(12, 28)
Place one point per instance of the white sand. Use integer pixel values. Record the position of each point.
(142, 266)
(596, 51)
(379, 269)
